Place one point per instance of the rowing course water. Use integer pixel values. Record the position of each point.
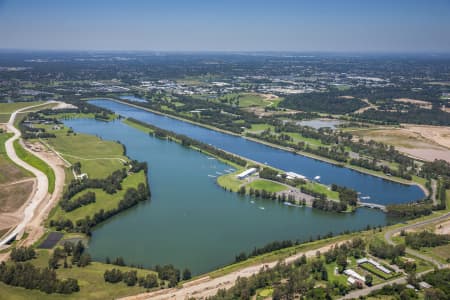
(190, 220)
(376, 189)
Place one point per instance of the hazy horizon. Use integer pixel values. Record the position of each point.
(326, 26)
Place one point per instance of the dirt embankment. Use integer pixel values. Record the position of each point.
(36, 227)
(206, 286)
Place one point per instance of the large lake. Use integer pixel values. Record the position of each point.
(374, 188)
(191, 221)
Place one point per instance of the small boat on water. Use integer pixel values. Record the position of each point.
(219, 173)
(261, 207)
(212, 176)
(365, 198)
(211, 158)
(317, 178)
(252, 202)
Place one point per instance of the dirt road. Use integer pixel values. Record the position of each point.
(207, 286)
(40, 193)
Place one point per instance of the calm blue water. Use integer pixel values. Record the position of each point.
(190, 220)
(379, 190)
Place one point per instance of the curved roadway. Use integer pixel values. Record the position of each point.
(388, 236)
(41, 189)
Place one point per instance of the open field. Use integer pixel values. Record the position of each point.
(13, 196)
(257, 128)
(269, 186)
(253, 99)
(423, 142)
(421, 103)
(230, 182)
(437, 134)
(103, 200)
(98, 158)
(320, 188)
(37, 163)
(90, 279)
(8, 108)
(4, 117)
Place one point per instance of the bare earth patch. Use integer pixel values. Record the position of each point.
(421, 103)
(438, 134)
(443, 228)
(63, 105)
(13, 196)
(423, 142)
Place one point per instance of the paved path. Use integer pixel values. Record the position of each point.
(40, 192)
(388, 236)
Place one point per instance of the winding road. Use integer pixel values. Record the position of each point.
(40, 193)
(388, 236)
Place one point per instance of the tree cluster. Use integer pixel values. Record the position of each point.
(69, 205)
(426, 239)
(30, 277)
(386, 251)
(22, 254)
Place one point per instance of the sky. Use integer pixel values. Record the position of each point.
(227, 25)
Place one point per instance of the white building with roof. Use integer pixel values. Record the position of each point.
(293, 175)
(246, 173)
(375, 264)
(354, 274)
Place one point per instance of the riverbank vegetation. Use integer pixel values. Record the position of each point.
(266, 187)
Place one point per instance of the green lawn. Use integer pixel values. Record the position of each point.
(260, 127)
(320, 188)
(269, 186)
(90, 279)
(8, 108)
(299, 138)
(372, 269)
(37, 163)
(230, 182)
(98, 158)
(251, 100)
(4, 117)
(103, 200)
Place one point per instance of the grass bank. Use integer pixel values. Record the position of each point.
(36, 162)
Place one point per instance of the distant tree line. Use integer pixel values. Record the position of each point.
(414, 115)
(326, 102)
(189, 142)
(409, 210)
